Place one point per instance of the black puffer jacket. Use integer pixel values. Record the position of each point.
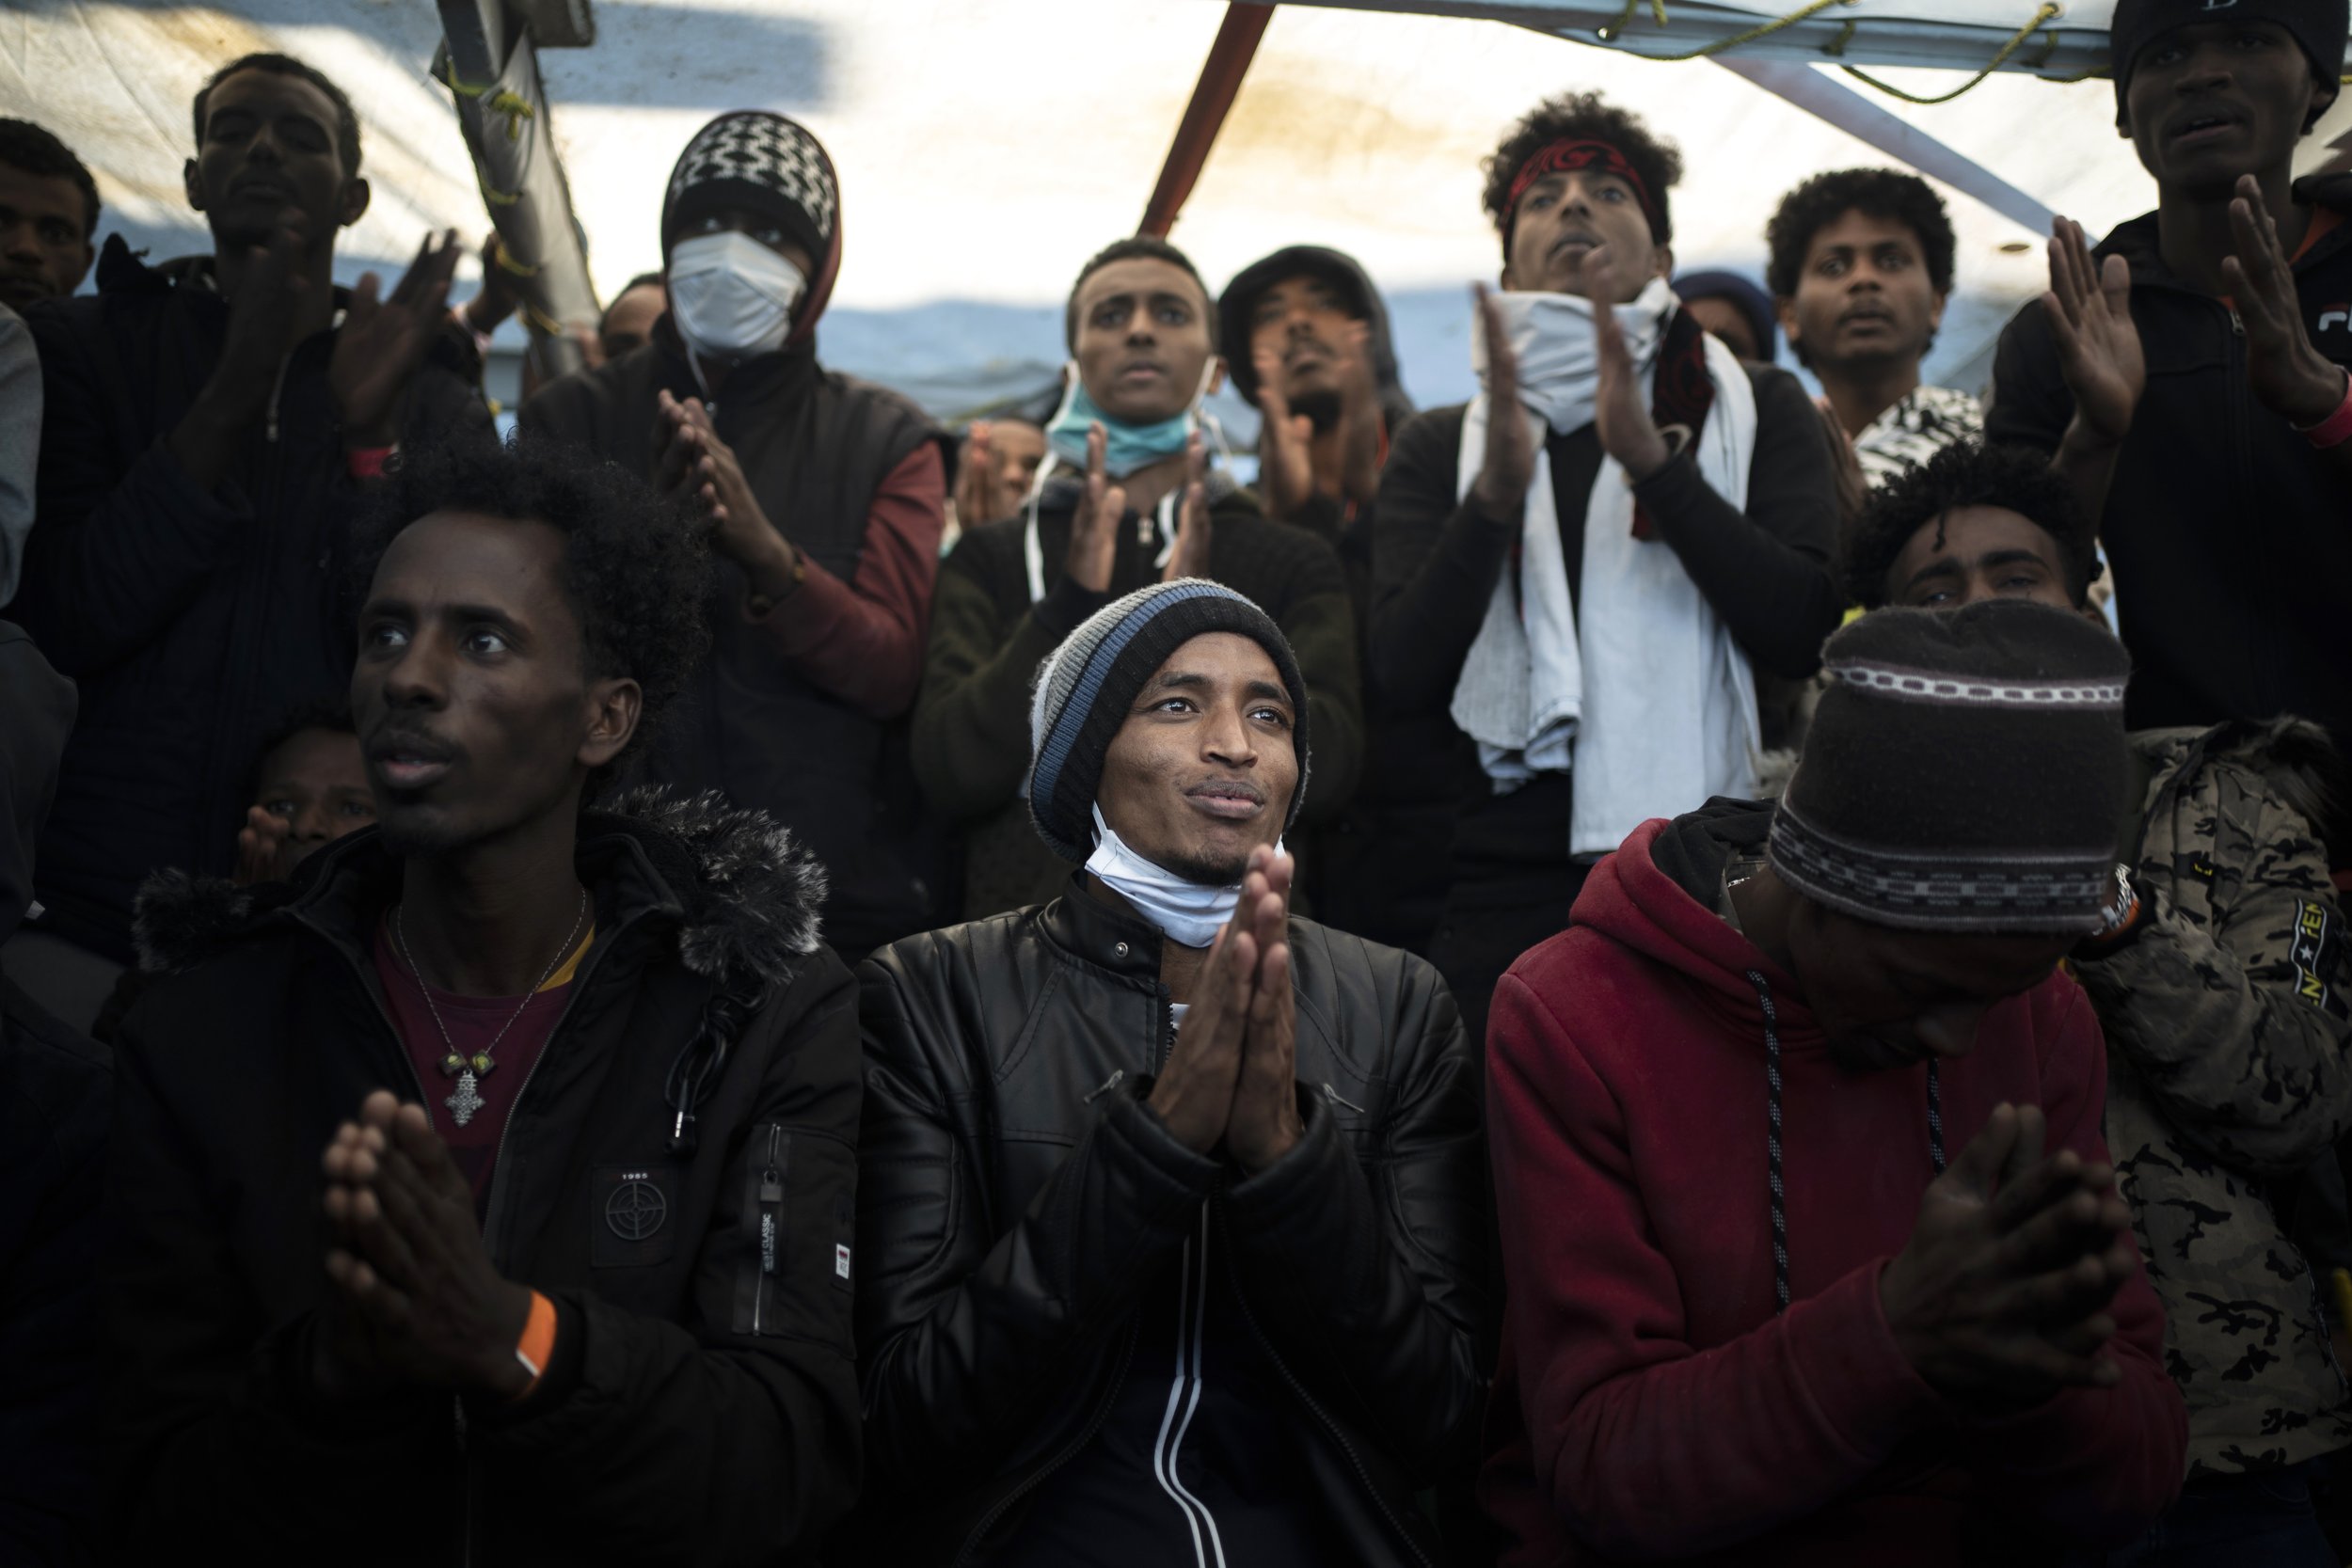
(699, 1407)
(194, 621)
(1017, 1197)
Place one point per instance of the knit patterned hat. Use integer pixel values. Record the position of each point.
(1085, 687)
(751, 158)
(1964, 772)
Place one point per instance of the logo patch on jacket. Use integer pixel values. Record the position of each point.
(628, 1215)
(2315, 934)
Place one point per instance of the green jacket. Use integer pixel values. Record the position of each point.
(971, 739)
(2227, 1023)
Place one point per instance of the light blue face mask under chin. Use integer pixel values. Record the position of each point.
(1186, 911)
(1127, 447)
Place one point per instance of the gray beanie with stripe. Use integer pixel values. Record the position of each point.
(1085, 687)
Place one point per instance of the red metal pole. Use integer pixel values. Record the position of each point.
(1228, 60)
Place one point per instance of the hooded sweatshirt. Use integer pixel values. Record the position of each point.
(1651, 1403)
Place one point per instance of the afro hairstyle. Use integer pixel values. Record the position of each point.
(1143, 247)
(346, 118)
(1582, 116)
(34, 149)
(635, 564)
(1969, 473)
(1887, 194)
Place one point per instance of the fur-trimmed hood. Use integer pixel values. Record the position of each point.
(747, 894)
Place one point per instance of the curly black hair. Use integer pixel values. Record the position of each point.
(346, 118)
(332, 714)
(1967, 473)
(635, 564)
(1584, 115)
(1148, 248)
(1887, 194)
(35, 149)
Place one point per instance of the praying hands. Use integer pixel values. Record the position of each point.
(414, 1298)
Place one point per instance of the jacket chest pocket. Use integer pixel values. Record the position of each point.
(633, 1219)
(795, 1229)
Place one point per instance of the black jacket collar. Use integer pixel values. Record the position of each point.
(1090, 928)
(738, 893)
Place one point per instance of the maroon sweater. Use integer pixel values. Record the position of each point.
(1662, 1409)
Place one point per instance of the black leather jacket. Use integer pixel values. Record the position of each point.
(1016, 1194)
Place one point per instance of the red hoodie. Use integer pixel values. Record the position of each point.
(1650, 1403)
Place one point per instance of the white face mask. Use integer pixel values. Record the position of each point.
(1185, 911)
(732, 296)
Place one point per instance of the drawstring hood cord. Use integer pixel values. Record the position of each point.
(1772, 1137)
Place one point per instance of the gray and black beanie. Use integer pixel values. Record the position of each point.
(752, 158)
(1965, 772)
(1085, 687)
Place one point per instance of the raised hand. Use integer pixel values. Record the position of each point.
(1621, 415)
(2292, 378)
(1194, 1093)
(1999, 1298)
(2089, 310)
(1094, 527)
(978, 498)
(1190, 558)
(1266, 1124)
(1360, 404)
(265, 315)
(1509, 465)
(1286, 465)
(382, 343)
(407, 1261)
(261, 846)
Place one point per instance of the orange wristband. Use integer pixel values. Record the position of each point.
(538, 1345)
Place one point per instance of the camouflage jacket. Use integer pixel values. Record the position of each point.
(2225, 1011)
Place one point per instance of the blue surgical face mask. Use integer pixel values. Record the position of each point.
(1185, 910)
(1127, 447)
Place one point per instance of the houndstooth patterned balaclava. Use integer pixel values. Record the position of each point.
(751, 158)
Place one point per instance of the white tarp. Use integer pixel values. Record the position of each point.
(986, 151)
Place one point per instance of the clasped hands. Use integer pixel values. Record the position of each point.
(1231, 1075)
(1621, 414)
(693, 463)
(2000, 1297)
(412, 1297)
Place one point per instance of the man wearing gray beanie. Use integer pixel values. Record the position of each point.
(1171, 1204)
(2192, 377)
(1813, 1247)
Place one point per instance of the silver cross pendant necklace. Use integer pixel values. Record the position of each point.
(470, 1071)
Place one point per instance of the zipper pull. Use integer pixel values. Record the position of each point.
(2237, 322)
(1332, 1093)
(770, 1186)
(1108, 1084)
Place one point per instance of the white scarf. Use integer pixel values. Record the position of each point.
(1647, 698)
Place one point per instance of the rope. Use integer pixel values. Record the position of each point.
(2016, 43)
(2049, 12)
(1811, 9)
(1935, 1114)
(1771, 1141)
(1772, 1133)
(506, 101)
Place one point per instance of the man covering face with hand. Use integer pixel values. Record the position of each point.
(1159, 1146)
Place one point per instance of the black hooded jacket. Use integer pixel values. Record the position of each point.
(1018, 1200)
(194, 621)
(2230, 537)
(1380, 868)
(54, 1096)
(700, 1406)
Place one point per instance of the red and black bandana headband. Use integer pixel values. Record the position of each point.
(1567, 157)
